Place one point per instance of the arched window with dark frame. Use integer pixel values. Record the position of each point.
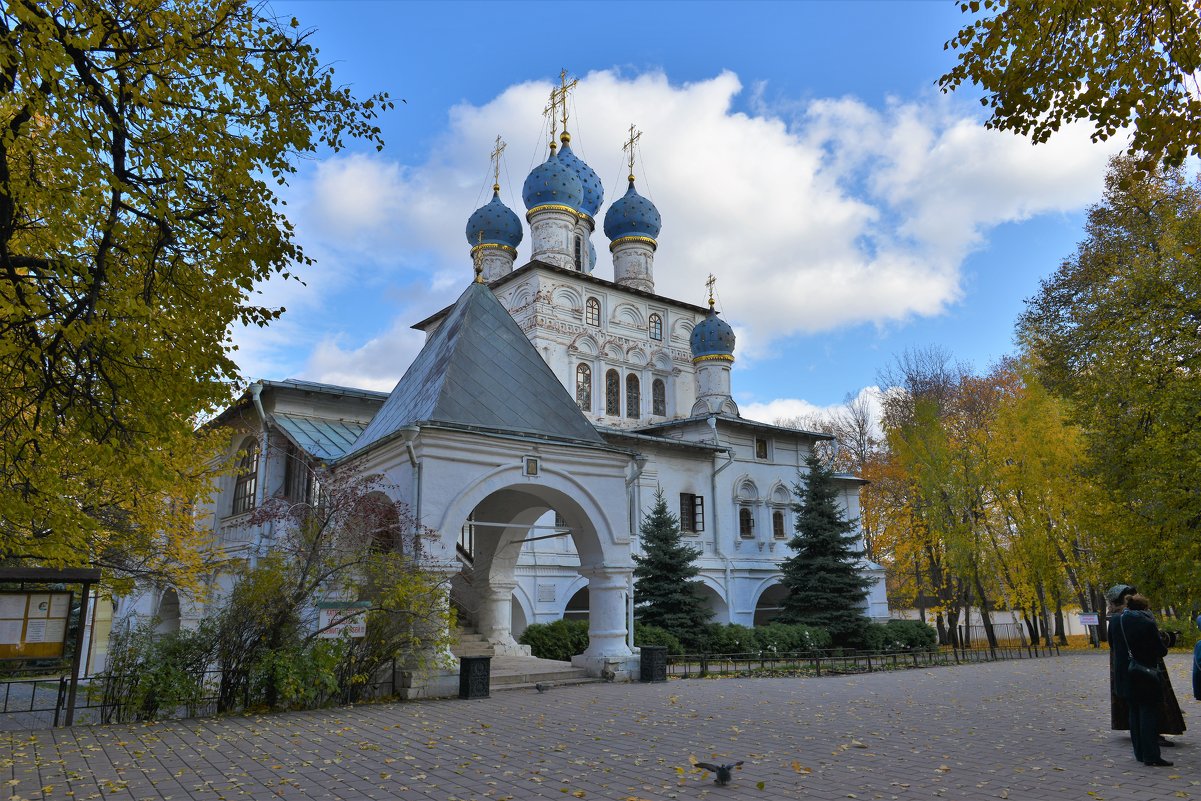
(583, 387)
(777, 525)
(247, 478)
(633, 397)
(612, 394)
(746, 522)
(592, 312)
(656, 327)
(579, 253)
(659, 397)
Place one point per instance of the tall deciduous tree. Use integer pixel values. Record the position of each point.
(826, 587)
(665, 589)
(1045, 63)
(1117, 332)
(142, 147)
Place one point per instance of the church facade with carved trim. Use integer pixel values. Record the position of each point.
(547, 407)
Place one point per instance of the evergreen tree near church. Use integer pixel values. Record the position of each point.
(825, 586)
(665, 593)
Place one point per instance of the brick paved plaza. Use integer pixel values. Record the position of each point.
(1028, 729)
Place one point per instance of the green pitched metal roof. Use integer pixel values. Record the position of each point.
(319, 436)
(479, 369)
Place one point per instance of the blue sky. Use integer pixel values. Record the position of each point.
(801, 152)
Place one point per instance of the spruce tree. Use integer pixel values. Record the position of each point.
(824, 582)
(665, 592)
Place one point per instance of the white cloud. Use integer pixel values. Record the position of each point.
(782, 409)
(840, 215)
(377, 364)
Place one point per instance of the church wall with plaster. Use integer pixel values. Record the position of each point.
(552, 508)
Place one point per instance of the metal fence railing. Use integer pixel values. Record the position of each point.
(37, 703)
(833, 661)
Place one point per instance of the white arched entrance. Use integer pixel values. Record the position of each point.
(504, 505)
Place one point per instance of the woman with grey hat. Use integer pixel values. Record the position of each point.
(1115, 603)
(1135, 677)
(1171, 719)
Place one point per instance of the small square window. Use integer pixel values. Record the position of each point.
(530, 466)
(760, 448)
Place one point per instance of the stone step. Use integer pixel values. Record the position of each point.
(536, 675)
(468, 652)
(554, 684)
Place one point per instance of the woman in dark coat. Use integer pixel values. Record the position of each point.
(1171, 719)
(1136, 634)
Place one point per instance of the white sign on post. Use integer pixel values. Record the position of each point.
(1088, 619)
(339, 621)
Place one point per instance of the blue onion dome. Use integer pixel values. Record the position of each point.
(497, 222)
(594, 192)
(591, 256)
(553, 183)
(632, 215)
(712, 338)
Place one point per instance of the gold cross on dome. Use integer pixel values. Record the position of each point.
(565, 86)
(552, 111)
(496, 153)
(635, 135)
(710, 283)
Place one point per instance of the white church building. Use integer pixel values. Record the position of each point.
(548, 405)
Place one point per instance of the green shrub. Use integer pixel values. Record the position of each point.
(297, 678)
(151, 675)
(654, 635)
(560, 640)
(908, 635)
(871, 637)
(790, 637)
(729, 639)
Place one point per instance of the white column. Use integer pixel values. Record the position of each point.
(607, 587)
(495, 618)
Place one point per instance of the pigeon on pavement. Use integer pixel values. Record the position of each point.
(724, 772)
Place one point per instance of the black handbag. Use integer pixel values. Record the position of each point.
(1135, 666)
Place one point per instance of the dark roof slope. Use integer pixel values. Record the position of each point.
(479, 369)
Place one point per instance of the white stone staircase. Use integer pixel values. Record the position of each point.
(517, 672)
(470, 643)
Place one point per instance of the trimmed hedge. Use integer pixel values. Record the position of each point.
(790, 637)
(564, 639)
(654, 635)
(560, 640)
(909, 634)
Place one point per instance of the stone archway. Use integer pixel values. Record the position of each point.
(504, 506)
(767, 606)
(168, 616)
(711, 593)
